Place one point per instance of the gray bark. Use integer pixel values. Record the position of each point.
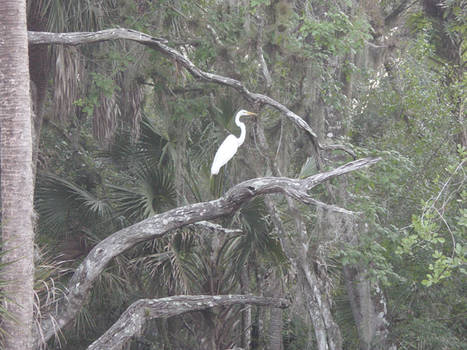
(317, 298)
(246, 313)
(16, 177)
(131, 322)
(315, 289)
(159, 44)
(160, 224)
(79, 38)
(317, 303)
(368, 308)
(85, 275)
(275, 316)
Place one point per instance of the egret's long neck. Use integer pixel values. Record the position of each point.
(241, 139)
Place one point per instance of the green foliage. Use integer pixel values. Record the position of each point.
(432, 334)
(308, 168)
(61, 203)
(408, 114)
(335, 34)
(296, 333)
(257, 239)
(254, 4)
(150, 149)
(152, 193)
(374, 250)
(449, 254)
(414, 200)
(100, 85)
(70, 15)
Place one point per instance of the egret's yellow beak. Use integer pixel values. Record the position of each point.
(251, 113)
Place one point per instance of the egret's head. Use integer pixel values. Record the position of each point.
(243, 112)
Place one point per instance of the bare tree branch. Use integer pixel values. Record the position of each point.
(160, 224)
(79, 38)
(217, 228)
(131, 322)
(339, 147)
(159, 44)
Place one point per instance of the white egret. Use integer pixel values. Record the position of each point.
(230, 145)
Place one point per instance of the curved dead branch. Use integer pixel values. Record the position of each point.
(131, 322)
(160, 224)
(159, 44)
(79, 38)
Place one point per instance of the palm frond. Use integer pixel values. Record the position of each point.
(131, 92)
(172, 266)
(71, 15)
(153, 192)
(106, 114)
(186, 264)
(152, 144)
(148, 149)
(68, 78)
(58, 200)
(67, 16)
(225, 112)
(258, 238)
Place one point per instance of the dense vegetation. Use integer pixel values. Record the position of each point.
(127, 133)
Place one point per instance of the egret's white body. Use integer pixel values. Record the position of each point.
(230, 145)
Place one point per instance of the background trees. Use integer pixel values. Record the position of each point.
(128, 133)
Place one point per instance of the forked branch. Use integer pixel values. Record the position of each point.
(132, 321)
(161, 224)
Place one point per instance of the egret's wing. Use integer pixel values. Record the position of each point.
(225, 153)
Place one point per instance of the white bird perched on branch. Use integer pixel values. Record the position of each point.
(230, 145)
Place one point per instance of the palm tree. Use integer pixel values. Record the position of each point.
(16, 177)
(78, 211)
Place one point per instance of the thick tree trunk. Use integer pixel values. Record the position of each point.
(318, 300)
(369, 310)
(246, 313)
(367, 301)
(327, 332)
(315, 288)
(16, 176)
(275, 317)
